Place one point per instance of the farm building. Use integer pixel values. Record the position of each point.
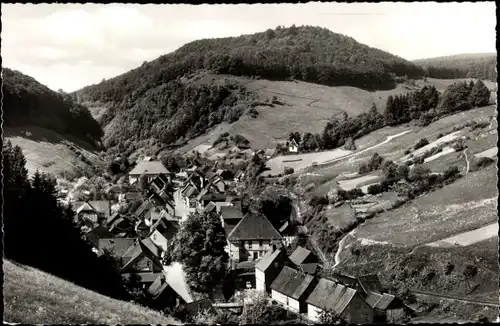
(268, 268)
(344, 301)
(291, 288)
(293, 147)
(149, 169)
(251, 238)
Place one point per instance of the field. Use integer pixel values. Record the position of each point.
(50, 152)
(34, 297)
(464, 205)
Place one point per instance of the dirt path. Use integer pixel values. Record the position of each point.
(468, 238)
(466, 160)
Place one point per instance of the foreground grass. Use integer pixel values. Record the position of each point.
(34, 297)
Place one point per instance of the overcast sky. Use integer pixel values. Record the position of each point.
(71, 46)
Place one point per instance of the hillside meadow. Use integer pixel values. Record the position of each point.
(35, 297)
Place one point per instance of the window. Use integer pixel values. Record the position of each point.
(255, 255)
(260, 243)
(249, 244)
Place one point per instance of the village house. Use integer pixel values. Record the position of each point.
(251, 238)
(99, 232)
(143, 256)
(289, 232)
(291, 288)
(293, 147)
(148, 169)
(115, 246)
(268, 268)
(162, 232)
(122, 226)
(90, 213)
(344, 301)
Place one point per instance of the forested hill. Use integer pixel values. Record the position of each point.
(474, 65)
(152, 104)
(27, 102)
(311, 54)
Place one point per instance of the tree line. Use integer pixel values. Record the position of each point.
(40, 232)
(483, 67)
(422, 106)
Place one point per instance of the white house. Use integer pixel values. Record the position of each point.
(268, 268)
(293, 147)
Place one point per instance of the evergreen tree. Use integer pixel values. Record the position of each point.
(480, 94)
(390, 113)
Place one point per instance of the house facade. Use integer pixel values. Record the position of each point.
(344, 301)
(293, 147)
(268, 268)
(251, 238)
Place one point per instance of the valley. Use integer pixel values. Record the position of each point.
(215, 174)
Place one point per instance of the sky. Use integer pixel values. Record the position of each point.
(69, 46)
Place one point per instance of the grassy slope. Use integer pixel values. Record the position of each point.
(50, 152)
(34, 297)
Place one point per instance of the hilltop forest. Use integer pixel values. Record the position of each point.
(27, 102)
(153, 104)
(481, 66)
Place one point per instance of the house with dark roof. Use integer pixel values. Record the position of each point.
(251, 238)
(344, 301)
(123, 226)
(99, 232)
(291, 288)
(268, 268)
(116, 246)
(200, 306)
(369, 283)
(149, 169)
(302, 255)
(230, 217)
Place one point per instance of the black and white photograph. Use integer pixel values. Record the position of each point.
(252, 163)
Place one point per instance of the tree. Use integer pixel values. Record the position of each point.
(480, 94)
(199, 246)
(329, 316)
(455, 98)
(390, 113)
(469, 272)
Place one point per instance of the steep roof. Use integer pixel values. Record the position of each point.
(148, 167)
(266, 260)
(330, 295)
(210, 207)
(309, 268)
(254, 227)
(292, 283)
(99, 232)
(101, 206)
(372, 298)
(167, 228)
(117, 245)
(300, 255)
(85, 207)
(371, 283)
(231, 213)
(385, 301)
(144, 207)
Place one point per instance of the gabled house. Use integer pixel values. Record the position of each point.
(99, 232)
(268, 268)
(159, 182)
(369, 283)
(200, 306)
(148, 169)
(293, 147)
(344, 301)
(123, 226)
(162, 232)
(311, 268)
(171, 289)
(251, 238)
(143, 256)
(302, 255)
(116, 246)
(94, 211)
(291, 288)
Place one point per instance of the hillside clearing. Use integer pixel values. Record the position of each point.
(445, 151)
(50, 152)
(354, 183)
(34, 297)
(459, 207)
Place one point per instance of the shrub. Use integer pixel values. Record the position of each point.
(375, 189)
(407, 151)
(480, 163)
(288, 170)
(439, 136)
(449, 268)
(421, 143)
(459, 145)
